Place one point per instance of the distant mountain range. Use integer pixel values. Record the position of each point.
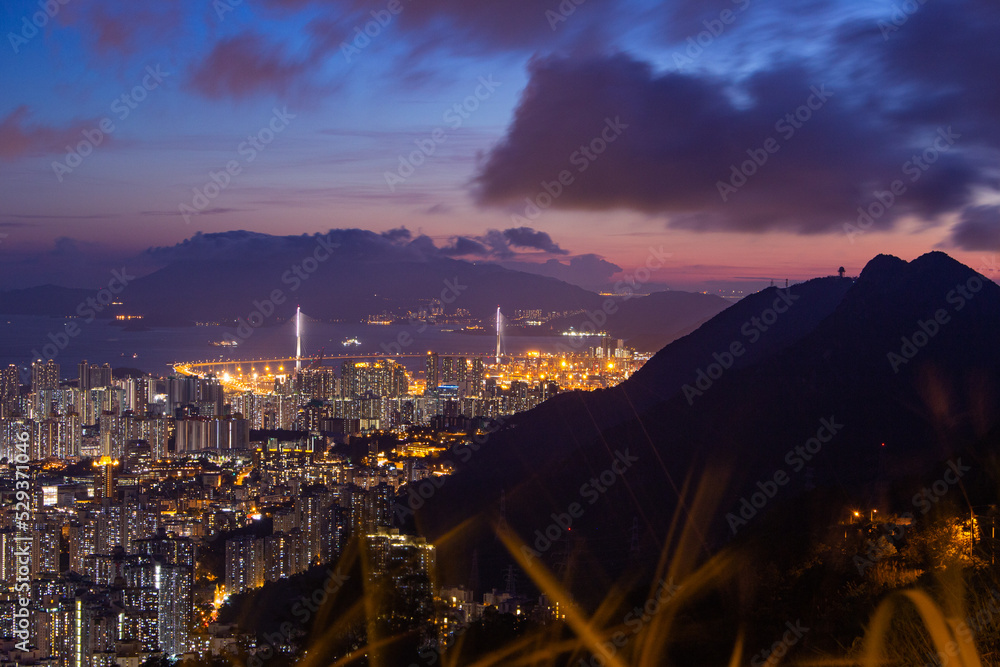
(858, 386)
(348, 289)
(346, 276)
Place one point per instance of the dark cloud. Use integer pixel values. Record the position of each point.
(355, 244)
(588, 271)
(397, 234)
(525, 237)
(898, 83)
(462, 246)
(20, 138)
(485, 26)
(677, 136)
(940, 66)
(497, 244)
(977, 229)
(247, 65)
(93, 259)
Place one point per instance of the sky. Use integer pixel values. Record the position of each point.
(745, 140)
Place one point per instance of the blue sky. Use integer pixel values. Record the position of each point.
(699, 84)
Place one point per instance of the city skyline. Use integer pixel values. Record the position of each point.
(499, 332)
(231, 508)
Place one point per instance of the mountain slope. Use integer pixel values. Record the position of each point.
(341, 288)
(43, 300)
(651, 322)
(821, 370)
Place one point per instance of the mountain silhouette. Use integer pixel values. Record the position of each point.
(889, 375)
(652, 321)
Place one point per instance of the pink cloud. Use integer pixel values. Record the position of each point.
(18, 138)
(244, 66)
(124, 28)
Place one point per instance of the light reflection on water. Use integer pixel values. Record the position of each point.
(155, 349)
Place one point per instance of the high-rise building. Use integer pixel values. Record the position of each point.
(453, 370)
(92, 376)
(138, 392)
(44, 375)
(99, 400)
(398, 556)
(244, 564)
(200, 433)
(154, 431)
(282, 556)
(49, 435)
(70, 447)
(431, 373)
(83, 631)
(45, 549)
(382, 378)
(174, 608)
(105, 472)
(320, 383)
(140, 620)
(139, 523)
(171, 550)
(10, 388)
(477, 375)
(204, 393)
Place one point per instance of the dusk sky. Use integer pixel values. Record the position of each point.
(686, 111)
